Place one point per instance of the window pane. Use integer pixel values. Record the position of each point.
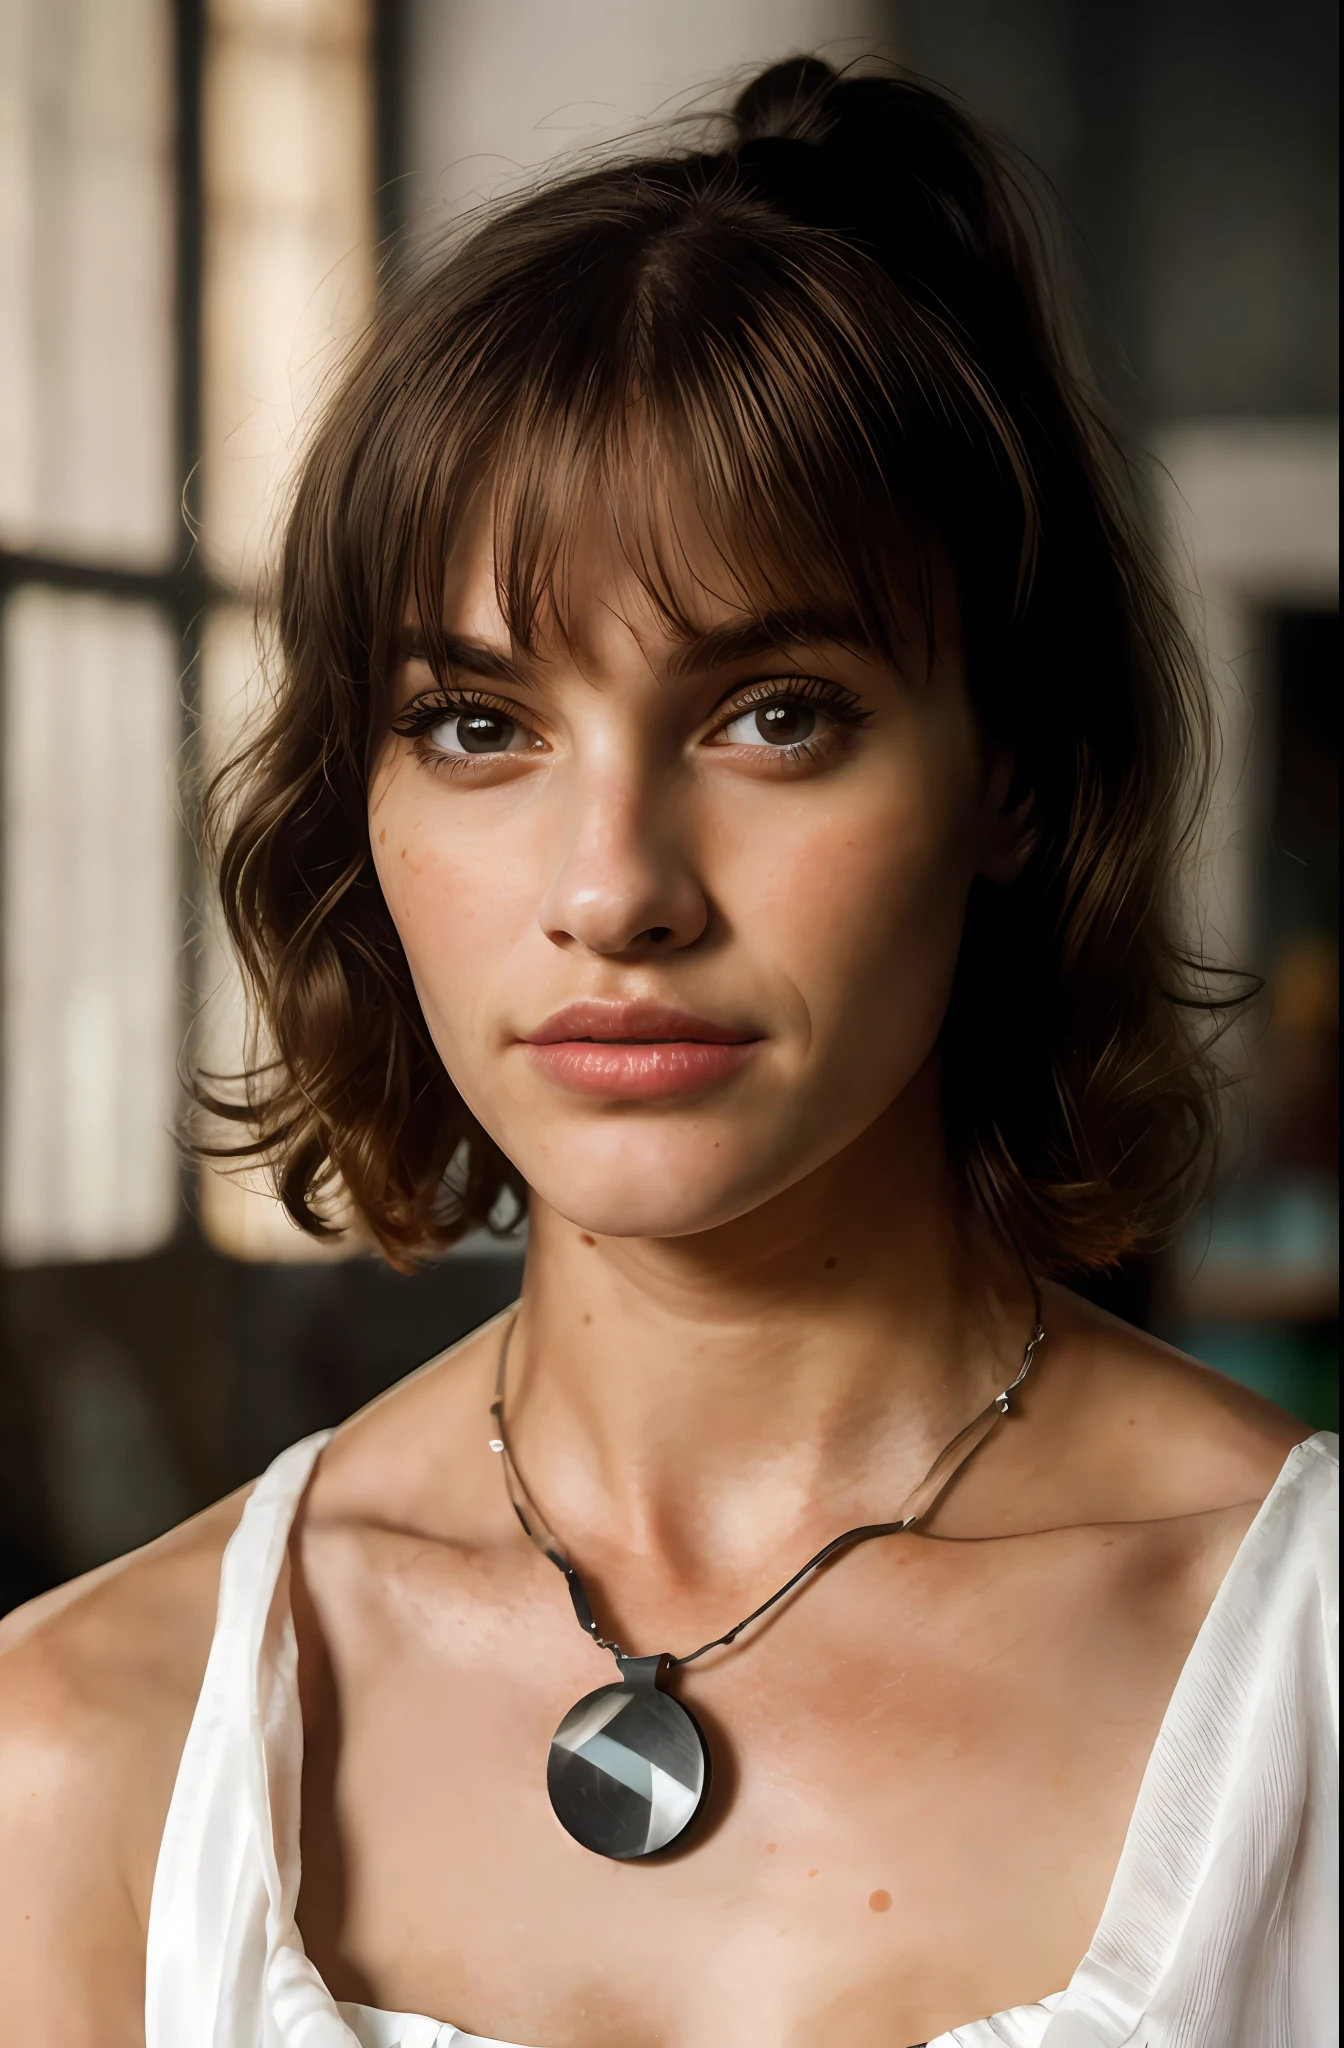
(86, 279)
(288, 245)
(288, 173)
(91, 923)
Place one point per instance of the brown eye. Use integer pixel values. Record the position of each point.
(477, 732)
(782, 722)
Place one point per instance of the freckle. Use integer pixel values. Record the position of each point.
(585, 1239)
(587, 1319)
(879, 1902)
(829, 1264)
(814, 1873)
(770, 1848)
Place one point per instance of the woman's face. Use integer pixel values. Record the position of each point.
(682, 916)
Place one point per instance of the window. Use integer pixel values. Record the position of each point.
(288, 177)
(91, 627)
(187, 239)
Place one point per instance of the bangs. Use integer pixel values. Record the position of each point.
(718, 397)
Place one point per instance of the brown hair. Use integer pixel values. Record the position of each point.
(833, 329)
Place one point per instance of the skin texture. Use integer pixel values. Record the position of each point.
(753, 1313)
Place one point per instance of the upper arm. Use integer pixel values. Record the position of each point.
(71, 1947)
(98, 1682)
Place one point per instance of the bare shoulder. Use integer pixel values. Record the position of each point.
(98, 1681)
(1153, 1434)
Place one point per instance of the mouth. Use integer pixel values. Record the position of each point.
(636, 1051)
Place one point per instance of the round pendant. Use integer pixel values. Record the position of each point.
(628, 1770)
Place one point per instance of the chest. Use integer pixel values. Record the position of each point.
(923, 1770)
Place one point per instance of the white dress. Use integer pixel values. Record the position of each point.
(1220, 1928)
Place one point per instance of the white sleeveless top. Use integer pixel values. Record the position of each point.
(1220, 1928)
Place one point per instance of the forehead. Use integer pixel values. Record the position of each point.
(647, 568)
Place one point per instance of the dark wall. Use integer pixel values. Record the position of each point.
(1194, 144)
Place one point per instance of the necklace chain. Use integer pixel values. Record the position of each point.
(917, 1504)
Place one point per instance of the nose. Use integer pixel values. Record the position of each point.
(626, 882)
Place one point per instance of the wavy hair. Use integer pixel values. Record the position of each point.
(834, 329)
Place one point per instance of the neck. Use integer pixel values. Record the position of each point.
(697, 1397)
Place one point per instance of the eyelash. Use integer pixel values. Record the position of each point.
(840, 704)
(419, 718)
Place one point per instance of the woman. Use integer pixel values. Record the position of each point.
(728, 768)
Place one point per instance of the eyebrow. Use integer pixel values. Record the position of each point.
(738, 640)
(470, 657)
(769, 633)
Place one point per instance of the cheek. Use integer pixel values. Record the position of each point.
(457, 906)
(862, 907)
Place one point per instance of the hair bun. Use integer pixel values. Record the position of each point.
(880, 158)
(789, 102)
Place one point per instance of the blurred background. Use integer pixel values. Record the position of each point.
(198, 199)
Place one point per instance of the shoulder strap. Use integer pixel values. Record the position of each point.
(227, 1871)
(1220, 1928)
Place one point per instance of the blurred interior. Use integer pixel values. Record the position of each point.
(201, 199)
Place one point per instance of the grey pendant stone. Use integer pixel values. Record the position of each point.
(628, 1771)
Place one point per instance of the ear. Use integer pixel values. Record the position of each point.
(1007, 831)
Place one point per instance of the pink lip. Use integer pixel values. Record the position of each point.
(636, 1051)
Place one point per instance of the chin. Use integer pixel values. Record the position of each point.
(623, 1182)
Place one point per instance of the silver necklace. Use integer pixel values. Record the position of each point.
(629, 1766)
